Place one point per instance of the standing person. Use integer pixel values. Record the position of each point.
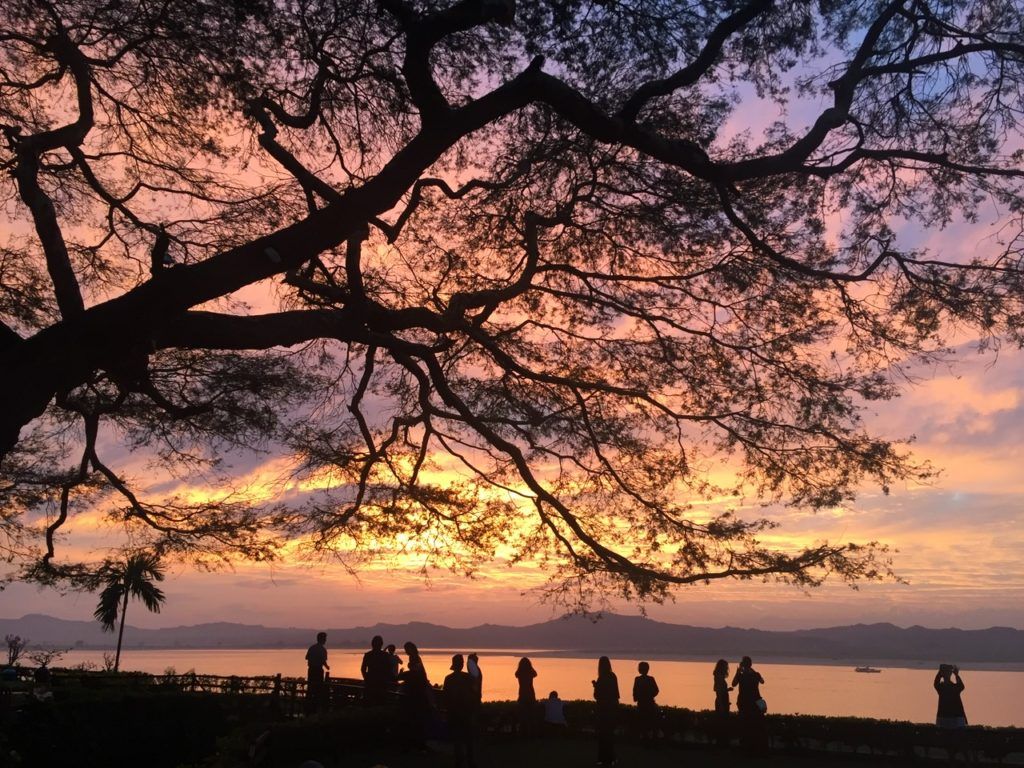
(316, 663)
(473, 668)
(645, 689)
(477, 676)
(527, 699)
(417, 705)
(722, 689)
(376, 672)
(606, 694)
(460, 704)
(951, 712)
(751, 707)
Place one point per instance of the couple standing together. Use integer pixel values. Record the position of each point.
(749, 703)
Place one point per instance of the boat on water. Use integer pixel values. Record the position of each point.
(866, 669)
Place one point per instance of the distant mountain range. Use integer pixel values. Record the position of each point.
(612, 635)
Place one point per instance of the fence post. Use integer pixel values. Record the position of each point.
(275, 696)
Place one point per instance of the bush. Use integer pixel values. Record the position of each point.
(156, 731)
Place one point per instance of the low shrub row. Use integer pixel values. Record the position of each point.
(330, 735)
(148, 728)
(144, 720)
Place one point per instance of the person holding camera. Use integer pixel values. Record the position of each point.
(949, 686)
(751, 707)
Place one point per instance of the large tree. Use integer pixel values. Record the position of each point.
(554, 245)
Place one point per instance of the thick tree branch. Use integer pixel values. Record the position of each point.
(922, 160)
(423, 32)
(307, 179)
(763, 247)
(91, 423)
(29, 151)
(306, 120)
(72, 134)
(48, 230)
(696, 69)
(41, 365)
(8, 337)
(211, 330)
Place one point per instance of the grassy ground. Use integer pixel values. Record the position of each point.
(578, 753)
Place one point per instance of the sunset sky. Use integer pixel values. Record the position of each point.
(959, 545)
(958, 542)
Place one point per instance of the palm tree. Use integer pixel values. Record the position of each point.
(134, 577)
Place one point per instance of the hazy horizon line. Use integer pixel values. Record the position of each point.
(598, 618)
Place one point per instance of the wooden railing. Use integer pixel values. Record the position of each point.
(287, 696)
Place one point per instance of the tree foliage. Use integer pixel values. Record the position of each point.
(16, 645)
(553, 245)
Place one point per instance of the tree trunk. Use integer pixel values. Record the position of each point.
(120, 634)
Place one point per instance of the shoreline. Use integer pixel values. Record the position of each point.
(774, 659)
(624, 654)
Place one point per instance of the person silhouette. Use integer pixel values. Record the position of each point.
(949, 685)
(42, 675)
(606, 694)
(417, 698)
(751, 707)
(460, 695)
(645, 689)
(720, 674)
(477, 675)
(554, 713)
(396, 664)
(316, 663)
(527, 699)
(376, 672)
